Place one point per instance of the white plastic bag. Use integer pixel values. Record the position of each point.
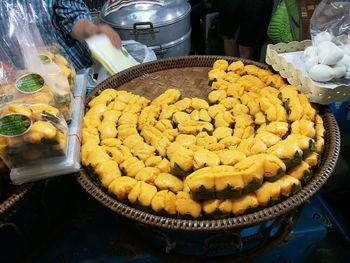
(138, 51)
(328, 59)
(68, 164)
(31, 55)
(331, 16)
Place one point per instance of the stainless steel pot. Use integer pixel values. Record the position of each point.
(152, 24)
(179, 47)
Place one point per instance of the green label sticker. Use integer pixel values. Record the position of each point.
(45, 59)
(14, 125)
(125, 53)
(30, 83)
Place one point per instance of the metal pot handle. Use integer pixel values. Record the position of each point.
(138, 24)
(160, 51)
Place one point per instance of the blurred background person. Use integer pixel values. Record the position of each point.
(243, 25)
(199, 9)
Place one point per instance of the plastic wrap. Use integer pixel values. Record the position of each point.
(57, 62)
(36, 96)
(6, 69)
(68, 164)
(331, 16)
(141, 53)
(41, 63)
(328, 59)
(30, 132)
(53, 50)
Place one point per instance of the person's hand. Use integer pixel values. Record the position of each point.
(84, 29)
(109, 32)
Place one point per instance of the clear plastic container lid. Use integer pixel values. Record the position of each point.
(61, 165)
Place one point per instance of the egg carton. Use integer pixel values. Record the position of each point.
(68, 164)
(286, 58)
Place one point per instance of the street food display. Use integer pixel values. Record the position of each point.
(255, 141)
(35, 108)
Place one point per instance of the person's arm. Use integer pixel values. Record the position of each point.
(75, 21)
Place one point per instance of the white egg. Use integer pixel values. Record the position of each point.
(346, 49)
(310, 62)
(322, 37)
(329, 53)
(345, 60)
(339, 70)
(310, 52)
(321, 73)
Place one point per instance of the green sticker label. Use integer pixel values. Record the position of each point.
(14, 125)
(45, 59)
(125, 53)
(30, 83)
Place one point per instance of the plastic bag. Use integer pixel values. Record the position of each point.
(30, 132)
(331, 16)
(328, 59)
(47, 168)
(53, 57)
(22, 86)
(33, 100)
(138, 51)
(46, 42)
(30, 129)
(42, 67)
(6, 68)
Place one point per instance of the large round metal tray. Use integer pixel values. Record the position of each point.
(189, 74)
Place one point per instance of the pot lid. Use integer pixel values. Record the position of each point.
(159, 15)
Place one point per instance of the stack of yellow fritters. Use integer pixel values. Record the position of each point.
(254, 142)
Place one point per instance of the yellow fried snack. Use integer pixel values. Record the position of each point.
(186, 207)
(254, 140)
(236, 67)
(107, 172)
(121, 187)
(181, 159)
(244, 204)
(217, 208)
(141, 195)
(166, 181)
(41, 130)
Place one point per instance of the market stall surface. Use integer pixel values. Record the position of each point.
(61, 223)
(90, 233)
